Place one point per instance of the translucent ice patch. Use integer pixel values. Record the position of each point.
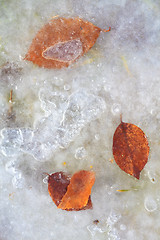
(82, 108)
(11, 167)
(27, 134)
(18, 181)
(113, 218)
(94, 229)
(52, 102)
(40, 151)
(64, 51)
(150, 204)
(13, 139)
(65, 120)
(80, 153)
(116, 109)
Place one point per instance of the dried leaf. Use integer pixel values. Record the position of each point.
(57, 186)
(130, 148)
(61, 42)
(71, 194)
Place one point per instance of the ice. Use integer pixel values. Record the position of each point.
(116, 109)
(113, 218)
(80, 108)
(83, 107)
(152, 176)
(18, 181)
(11, 141)
(14, 140)
(11, 167)
(27, 134)
(64, 120)
(67, 87)
(150, 204)
(93, 229)
(122, 227)
(45, 180)
(97, 137)
(80, 153)
(51, 102)
(64, 51)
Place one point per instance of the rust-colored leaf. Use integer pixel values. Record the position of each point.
(71, 194)
(57, 186)
(62, 41)
(130, 148)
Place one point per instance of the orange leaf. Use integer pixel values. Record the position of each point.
(130, 148)
(59, 185)
(61, 42)
(78, 191)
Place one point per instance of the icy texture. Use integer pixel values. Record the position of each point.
(150, 204)
(80, 153)
(64, 51)
(79, 109)
(14, 140)
(64, 120)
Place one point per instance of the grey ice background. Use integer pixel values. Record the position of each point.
(70, 116)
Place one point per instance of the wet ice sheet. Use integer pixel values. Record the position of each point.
(64, 121)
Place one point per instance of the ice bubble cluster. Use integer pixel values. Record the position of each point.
(64, 118)
(80, 153)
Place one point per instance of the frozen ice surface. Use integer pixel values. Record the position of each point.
(150, 204)
(18, 181)
(64, 120)
(80, 153)
(13, 140)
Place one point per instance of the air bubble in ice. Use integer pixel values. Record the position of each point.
(107, 88)
(67, 87)
(122, 227)
(150, 204)
(45, 180)
(116, 109)
(97, 137)
(80, 153)
(152, 176)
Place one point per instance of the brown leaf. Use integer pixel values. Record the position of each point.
(130, 148)
(61, 42)
(57, 186)
(74, 194)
